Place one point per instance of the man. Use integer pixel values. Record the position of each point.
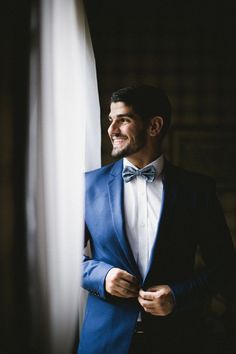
(145, 219)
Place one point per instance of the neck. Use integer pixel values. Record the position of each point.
(141, 160)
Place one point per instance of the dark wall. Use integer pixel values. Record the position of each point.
(14, 48)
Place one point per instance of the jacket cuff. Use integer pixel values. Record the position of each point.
(96, 283)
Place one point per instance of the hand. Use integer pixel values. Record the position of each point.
(120, 283)
(157, 300)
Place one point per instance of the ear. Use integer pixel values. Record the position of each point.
(155, 126)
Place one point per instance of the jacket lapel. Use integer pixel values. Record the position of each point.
(115, 189)
(168, 203)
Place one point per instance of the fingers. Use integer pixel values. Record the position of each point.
(122, 284)
(149, 301)
(150, 295)
(128, 285)
(124, 289)
(157, 300)
(124, 293)
(157, 308)
(122, 274)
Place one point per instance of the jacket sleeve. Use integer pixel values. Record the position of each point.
(94, 273)
(217, 249)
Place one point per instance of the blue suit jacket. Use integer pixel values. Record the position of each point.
(191, 216)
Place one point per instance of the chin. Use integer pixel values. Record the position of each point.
(117, 153)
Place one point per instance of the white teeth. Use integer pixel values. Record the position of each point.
(118, 141)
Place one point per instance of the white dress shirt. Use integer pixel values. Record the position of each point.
(142, 209)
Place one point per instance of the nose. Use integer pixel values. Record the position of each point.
(113, 128)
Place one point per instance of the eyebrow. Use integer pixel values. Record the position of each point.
(129, 115)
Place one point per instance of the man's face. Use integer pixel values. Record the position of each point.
(127, 131)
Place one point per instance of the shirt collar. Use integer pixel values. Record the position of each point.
(158, 164)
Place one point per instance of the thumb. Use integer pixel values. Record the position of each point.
(159, 290)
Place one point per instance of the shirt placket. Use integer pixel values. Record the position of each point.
(142, 220)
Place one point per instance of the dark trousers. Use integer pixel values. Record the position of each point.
(142, 344)
(183, 340)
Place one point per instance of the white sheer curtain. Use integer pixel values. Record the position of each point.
(64, 141)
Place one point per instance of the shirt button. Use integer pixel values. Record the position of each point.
(142, 224)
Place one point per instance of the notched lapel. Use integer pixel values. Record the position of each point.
(163, 237)
(115, 190)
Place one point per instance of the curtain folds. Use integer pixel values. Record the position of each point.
(64, 141)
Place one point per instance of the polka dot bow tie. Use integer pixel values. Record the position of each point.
(148, 173)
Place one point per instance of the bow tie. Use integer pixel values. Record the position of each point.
(148, 173)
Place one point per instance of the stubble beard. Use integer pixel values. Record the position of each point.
(131, 148)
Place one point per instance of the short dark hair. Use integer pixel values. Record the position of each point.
(147, 101)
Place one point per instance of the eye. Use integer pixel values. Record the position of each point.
(125, 120)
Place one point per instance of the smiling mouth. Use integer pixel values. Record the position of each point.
(116, 141)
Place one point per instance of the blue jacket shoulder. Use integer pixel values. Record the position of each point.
(98, 178)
